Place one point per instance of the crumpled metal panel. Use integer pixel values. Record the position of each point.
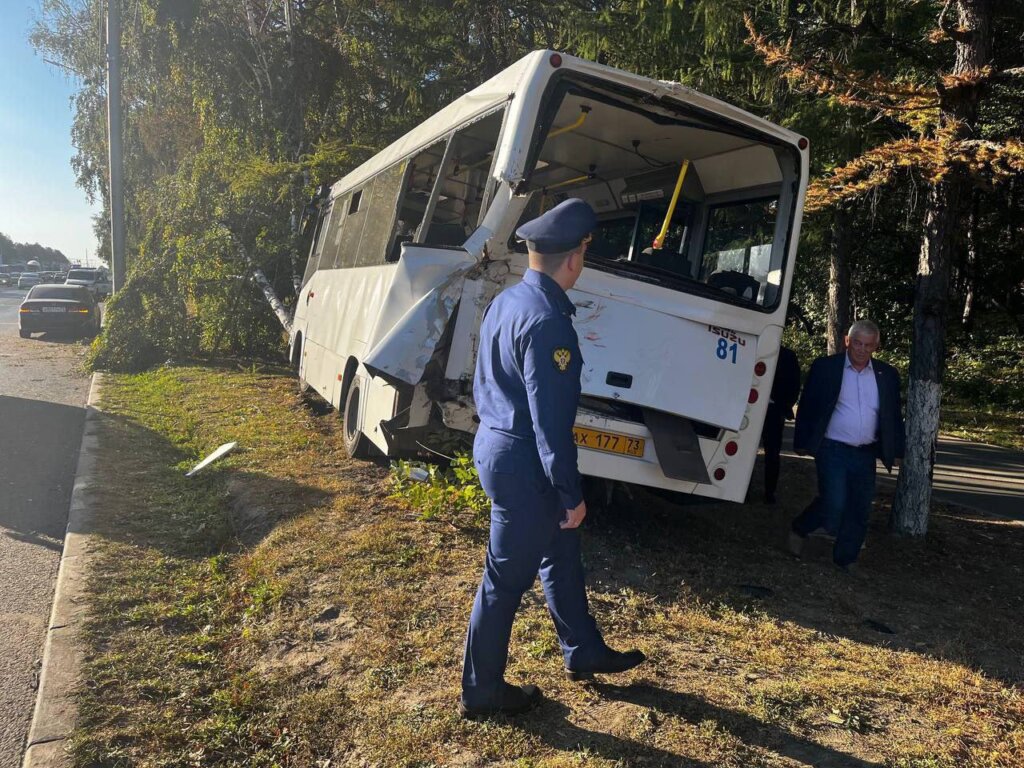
(416, 311)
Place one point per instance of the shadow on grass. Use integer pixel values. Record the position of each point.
(751, 731)
(956, 595)
(552, 727)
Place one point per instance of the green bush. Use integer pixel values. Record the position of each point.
(440, 492)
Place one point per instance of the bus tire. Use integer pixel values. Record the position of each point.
(297, 364)
(357, 445)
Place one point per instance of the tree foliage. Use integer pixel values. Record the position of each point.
(237, 109)
(22, 253)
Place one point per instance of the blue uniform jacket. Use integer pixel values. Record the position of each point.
(821, 392)
(527, 385)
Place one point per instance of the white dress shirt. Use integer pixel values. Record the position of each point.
(855, 418)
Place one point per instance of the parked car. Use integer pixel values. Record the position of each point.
(29, 279)
(69, 308)
(5, 278)
(96, 280)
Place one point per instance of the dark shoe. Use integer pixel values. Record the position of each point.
(795, 544)
(611, 663)
(821, 533)
(850, 570)
(515, 700)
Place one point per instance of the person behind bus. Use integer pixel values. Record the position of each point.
(527, 389)
(849, 417)
(785, 391)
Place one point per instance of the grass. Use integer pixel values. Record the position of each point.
(991, 424)
(283, 609)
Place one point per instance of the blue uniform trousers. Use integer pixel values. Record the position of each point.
(846, 487)
(525, 539)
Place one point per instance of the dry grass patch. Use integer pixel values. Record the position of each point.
(283, 609)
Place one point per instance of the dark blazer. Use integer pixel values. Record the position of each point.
(786, 384)
(821, 393)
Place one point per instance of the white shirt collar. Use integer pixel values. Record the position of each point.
(849, 364)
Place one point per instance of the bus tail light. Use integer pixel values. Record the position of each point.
(555, 60)
(731, 447)
(760, 368)
(752, 397)
(720, 474)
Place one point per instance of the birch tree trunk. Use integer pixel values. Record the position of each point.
(260, 278)
(283, 315)
(839, 281)
(958, 111)
(970, 270)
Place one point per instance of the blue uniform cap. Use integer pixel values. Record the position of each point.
(560, 229)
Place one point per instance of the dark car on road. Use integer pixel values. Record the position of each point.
(67, 308)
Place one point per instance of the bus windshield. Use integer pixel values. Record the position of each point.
(686, 200)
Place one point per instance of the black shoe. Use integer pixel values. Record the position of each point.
(515, 700)
(611, 663)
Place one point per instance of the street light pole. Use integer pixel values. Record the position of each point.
(117, 263)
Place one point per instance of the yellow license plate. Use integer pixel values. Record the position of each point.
(610, 442)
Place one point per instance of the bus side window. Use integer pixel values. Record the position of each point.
(380, 216)
(412, 204)
(353, 214)
(455, 202)
(323, 224)
(332, 237)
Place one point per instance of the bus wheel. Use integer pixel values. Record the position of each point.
(297, 365)
(356, 443)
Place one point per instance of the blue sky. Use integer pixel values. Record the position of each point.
(39, 201)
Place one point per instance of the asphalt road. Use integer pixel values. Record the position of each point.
(42, 409)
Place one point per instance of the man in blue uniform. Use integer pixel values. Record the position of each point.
(527, 388)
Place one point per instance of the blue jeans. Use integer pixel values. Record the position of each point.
(846, 486)
(525, 539)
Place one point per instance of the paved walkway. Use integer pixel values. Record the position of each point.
(979, 476)
(974, 475)
(42, 394)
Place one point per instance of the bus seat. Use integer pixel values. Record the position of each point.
(736, 283)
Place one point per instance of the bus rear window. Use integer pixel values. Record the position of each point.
(685, 199)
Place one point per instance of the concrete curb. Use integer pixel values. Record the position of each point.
(63, 652)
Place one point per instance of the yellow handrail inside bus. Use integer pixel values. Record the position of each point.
(584, 111)
(659, 241)
(567, 182)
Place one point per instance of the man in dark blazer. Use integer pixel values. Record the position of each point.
(849, 417)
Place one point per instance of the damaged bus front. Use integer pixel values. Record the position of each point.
(680, 309)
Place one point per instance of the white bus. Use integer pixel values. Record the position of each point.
(679, 312)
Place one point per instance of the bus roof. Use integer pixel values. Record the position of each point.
(507, 83)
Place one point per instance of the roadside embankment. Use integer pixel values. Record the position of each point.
(283, 608)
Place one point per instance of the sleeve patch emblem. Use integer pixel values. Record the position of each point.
(562, 357)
